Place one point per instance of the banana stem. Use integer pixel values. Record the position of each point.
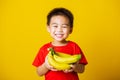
(52, 51)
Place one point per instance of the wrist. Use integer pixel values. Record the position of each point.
(45, 66)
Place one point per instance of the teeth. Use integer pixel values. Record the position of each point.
(59, 35)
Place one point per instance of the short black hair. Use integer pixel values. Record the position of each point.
(61, 11)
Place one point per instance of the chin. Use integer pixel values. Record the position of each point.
(59, 40)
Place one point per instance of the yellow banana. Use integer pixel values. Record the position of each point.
(66, 59)
(57, 65)
(63, 54)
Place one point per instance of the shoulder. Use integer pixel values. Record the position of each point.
(46, 46)
(73, 43)
(75, 47)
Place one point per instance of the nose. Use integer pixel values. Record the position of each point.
(59, 28)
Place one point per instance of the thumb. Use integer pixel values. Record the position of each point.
(72, 66)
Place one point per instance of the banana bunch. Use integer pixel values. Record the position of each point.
(61, 61)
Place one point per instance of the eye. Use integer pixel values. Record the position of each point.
(55, 26)
(64, 26)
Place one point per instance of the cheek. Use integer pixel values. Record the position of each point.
(52, 29)
(67, 31)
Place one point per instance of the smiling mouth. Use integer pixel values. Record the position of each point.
(59, 35)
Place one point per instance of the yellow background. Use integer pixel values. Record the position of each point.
(23, 32)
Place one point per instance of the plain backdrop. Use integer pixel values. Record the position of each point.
(23, 32)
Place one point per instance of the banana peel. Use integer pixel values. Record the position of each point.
(61, 61)
(56, 64)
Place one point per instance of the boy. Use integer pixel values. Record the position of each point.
(59, 25)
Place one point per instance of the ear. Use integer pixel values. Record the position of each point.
(48, 28)
(71, 29)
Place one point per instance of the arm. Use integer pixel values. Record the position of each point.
(41, 70)
(78, 68)
(44, 68)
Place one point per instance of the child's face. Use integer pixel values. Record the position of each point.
(59, 28)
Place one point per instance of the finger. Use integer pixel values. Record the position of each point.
(70, 70)
(47, 64)
(53, 69)
(71, 65)
(65, 71)
(77, 62)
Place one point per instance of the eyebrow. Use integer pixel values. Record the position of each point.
(54, 23)
(62, 24)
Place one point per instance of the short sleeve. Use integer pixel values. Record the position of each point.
(83, 59)
(38, 61)
(40, 57)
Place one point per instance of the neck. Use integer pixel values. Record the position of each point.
(57, 43)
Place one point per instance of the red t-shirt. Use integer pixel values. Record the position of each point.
(71, 48)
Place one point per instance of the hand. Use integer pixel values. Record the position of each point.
(73, 67)
(77, 67)
(48, 65)
(68, 70)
